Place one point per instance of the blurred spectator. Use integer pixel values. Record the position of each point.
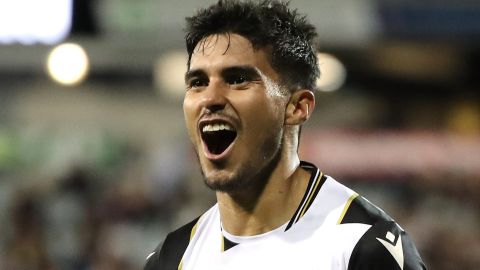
(26, 250)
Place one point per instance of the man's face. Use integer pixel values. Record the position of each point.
(234, 111)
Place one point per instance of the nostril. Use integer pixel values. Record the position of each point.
(215, 107)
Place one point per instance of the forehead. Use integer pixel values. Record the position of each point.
(222, 44)
(226, 50)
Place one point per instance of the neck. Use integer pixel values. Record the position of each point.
(263, 208)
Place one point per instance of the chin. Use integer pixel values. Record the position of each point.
(237, 175)
(223, 182)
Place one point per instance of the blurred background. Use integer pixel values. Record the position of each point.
(96, 166)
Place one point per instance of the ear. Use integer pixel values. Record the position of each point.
(300, 107)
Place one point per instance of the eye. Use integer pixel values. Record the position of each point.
(236, 79)
(196, 83)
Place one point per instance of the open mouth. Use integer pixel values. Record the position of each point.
(218, 137)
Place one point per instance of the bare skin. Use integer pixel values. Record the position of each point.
(274, 207)
(258, 179)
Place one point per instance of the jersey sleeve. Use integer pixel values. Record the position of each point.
(167, 256)
(385, 246)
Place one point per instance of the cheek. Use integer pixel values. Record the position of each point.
(187, 106)
(189, 115)
(272, 108)
(190, 105)
(266, 114)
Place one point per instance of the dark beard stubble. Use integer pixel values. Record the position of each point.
(242, 181)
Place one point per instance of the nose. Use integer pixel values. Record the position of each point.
(214, 98)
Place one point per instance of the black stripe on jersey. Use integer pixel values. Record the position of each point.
(369, 253)
(322, 180)
(169, 255)
(227, 244)
(363, 211)
(310, 193)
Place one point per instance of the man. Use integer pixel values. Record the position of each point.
(251, 72)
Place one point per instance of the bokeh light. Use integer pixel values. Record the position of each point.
(168, 74)
(68, 64)
(332, 73)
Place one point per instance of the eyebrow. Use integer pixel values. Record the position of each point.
(194, 73)
(247, 70)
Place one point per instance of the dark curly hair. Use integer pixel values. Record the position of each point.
(266, 24)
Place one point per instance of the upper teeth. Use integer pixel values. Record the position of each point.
(216, 127)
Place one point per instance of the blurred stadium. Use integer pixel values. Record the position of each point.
(96, 166)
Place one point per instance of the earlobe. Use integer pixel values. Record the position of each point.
(300, 107)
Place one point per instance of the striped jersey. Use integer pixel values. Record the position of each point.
(332, 228)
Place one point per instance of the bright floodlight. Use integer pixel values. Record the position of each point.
(332, 73)
(33, 21)
(68, 64)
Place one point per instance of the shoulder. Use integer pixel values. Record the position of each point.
(385, 245)
(360, 210)
(169, 254)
